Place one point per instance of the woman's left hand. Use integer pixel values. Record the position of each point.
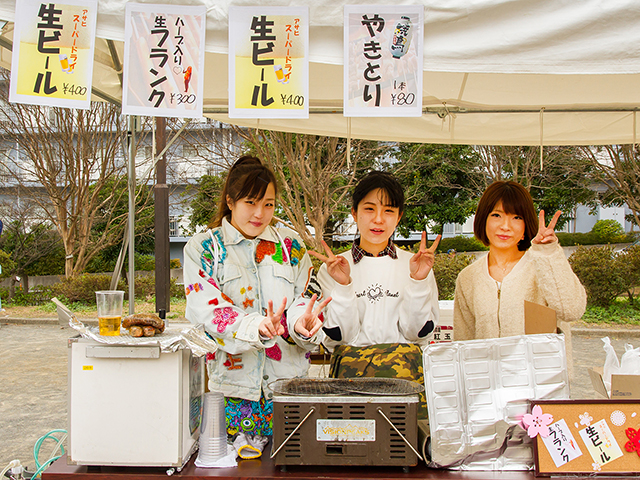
(309, 322)
(546, 234)
(422, 262)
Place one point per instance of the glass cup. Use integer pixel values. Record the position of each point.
(109, 311)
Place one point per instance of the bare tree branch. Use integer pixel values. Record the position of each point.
(71, 162)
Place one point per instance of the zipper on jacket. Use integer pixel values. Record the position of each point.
(499, 286)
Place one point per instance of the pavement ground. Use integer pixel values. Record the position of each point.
(33, 380)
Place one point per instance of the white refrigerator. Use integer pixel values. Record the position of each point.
(133, 405)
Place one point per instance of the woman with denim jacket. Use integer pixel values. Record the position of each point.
(251, 286)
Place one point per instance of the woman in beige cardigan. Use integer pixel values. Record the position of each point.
(525, 262)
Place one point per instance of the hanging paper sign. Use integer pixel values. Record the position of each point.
(52, 58)
(164, 60)
(383, 60)
(268, 62)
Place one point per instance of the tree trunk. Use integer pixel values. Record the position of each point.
(12, 288)
(328, 233)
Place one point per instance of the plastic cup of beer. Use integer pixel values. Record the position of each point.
(109, 311)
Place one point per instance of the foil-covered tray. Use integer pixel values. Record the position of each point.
(478, 391)
(174, 337)
(345, 386)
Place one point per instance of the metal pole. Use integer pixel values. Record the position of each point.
(132, 211)
(161, 200)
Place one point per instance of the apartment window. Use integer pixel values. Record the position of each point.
(4, 157)
(174, 227)
(189, 151)
(4, 117)
(214, 170)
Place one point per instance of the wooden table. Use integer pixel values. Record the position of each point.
(264, 469)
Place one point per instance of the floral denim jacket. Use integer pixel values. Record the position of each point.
(229, 280)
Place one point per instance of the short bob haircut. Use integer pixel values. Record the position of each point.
(516, 200)
(393, 195)
(248, 177)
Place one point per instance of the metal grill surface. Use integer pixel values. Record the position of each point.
(350, 386)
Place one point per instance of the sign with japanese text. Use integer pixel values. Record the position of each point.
(164, 60)
(52, 58)
(600, 442)
(268, 62)
(383, 60)
(592, 437)
(560, 443)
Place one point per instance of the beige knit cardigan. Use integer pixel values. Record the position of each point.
(483, 308)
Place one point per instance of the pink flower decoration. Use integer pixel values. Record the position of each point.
(537, 422)
(223, 317)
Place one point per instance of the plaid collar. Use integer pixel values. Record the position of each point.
(357, 253)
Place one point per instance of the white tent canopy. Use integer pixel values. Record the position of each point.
(510, 72)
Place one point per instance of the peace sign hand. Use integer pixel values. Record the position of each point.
(309, 322)
(337, 266)
(422, 262)
(271, 326)
(546, 234)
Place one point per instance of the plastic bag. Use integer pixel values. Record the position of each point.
(611, 364)
(630, 360)
(629, 363)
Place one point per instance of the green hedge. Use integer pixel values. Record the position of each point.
(461, 243)
(603, 232)
(607, 274)
(82, 288)
(446, 269)
(591, 238)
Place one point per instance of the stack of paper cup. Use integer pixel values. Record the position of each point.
(213, 431)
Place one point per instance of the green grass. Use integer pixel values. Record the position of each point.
(178, 306)
(621, 312)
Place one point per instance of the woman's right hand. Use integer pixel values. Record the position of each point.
(271, 326)
(546, 234)
(337, 266)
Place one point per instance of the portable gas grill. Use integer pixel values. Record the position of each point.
(358, 421)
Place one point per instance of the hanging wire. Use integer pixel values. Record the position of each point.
(634, 130)
(541, 137)
(153, 142)
(348, 142)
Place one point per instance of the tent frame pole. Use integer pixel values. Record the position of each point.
(132, 211)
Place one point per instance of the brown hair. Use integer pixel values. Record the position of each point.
(516, 200)
(248, 177)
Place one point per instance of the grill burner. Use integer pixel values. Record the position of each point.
(350, 386)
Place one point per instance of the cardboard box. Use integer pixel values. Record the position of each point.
(622, 386)
(539, 319)
(444, 330)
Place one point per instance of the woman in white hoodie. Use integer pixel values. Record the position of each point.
(525, 262)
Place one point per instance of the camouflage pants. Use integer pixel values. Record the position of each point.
(387, 360)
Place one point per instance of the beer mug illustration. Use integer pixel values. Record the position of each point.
(280, 74)
(64, 62)
(401, 39)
